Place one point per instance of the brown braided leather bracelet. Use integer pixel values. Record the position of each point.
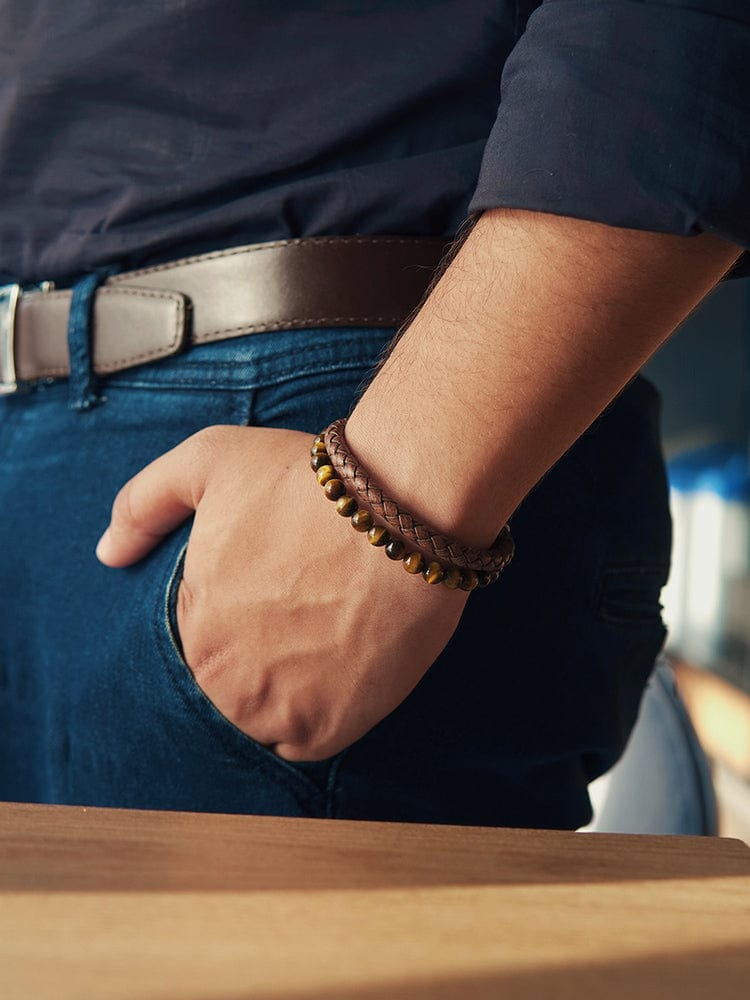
(447, 560)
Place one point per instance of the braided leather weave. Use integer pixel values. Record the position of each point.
(354, 475)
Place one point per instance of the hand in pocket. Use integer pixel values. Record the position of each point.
(301, 633)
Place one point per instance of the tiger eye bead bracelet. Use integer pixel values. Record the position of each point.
(361, 519)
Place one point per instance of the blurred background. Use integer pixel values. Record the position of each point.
(703, 374)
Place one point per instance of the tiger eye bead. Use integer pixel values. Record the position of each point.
(469, 579)
(378, 535)
(433, 573)
(318, 447)
(395, 549)
(319, 462)
(414, 562)
(362, 520)
(325, 474)
(346, 506)
(334, 489)
(452, 578)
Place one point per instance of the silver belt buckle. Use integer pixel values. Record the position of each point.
(8, 303)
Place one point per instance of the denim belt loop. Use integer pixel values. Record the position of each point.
(83, 388)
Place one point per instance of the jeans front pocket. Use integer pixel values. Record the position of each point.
(96, 705)
(235, 771)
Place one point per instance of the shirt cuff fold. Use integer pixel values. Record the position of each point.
(627, 112)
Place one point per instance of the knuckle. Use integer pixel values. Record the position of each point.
(185, 604)
(209, 441)
(314, 750)
(205, 437)
(306, 738)
(287, 728)
(205, 452)
(290, 727)
(210, 661)
(204, 649)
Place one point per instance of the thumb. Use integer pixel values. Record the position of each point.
(153, 503)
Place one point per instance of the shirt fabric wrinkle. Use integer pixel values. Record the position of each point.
(627, 112)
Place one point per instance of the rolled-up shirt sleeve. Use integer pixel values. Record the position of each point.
(634, 113)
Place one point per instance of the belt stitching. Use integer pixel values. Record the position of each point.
(176, 297)
(304, 241)
(294, 324)
(113, 287)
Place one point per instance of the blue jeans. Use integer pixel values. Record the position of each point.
(533, 697)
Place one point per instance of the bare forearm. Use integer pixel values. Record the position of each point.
(532, 330)
(536, 325)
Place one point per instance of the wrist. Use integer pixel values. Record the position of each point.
(424, 474)
(441, 558)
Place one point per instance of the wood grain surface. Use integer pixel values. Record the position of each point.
(123, 904)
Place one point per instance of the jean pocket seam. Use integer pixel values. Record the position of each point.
(236, 742)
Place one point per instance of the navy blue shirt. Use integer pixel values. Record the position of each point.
(136, 132)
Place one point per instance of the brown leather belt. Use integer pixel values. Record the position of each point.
(149, 314)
